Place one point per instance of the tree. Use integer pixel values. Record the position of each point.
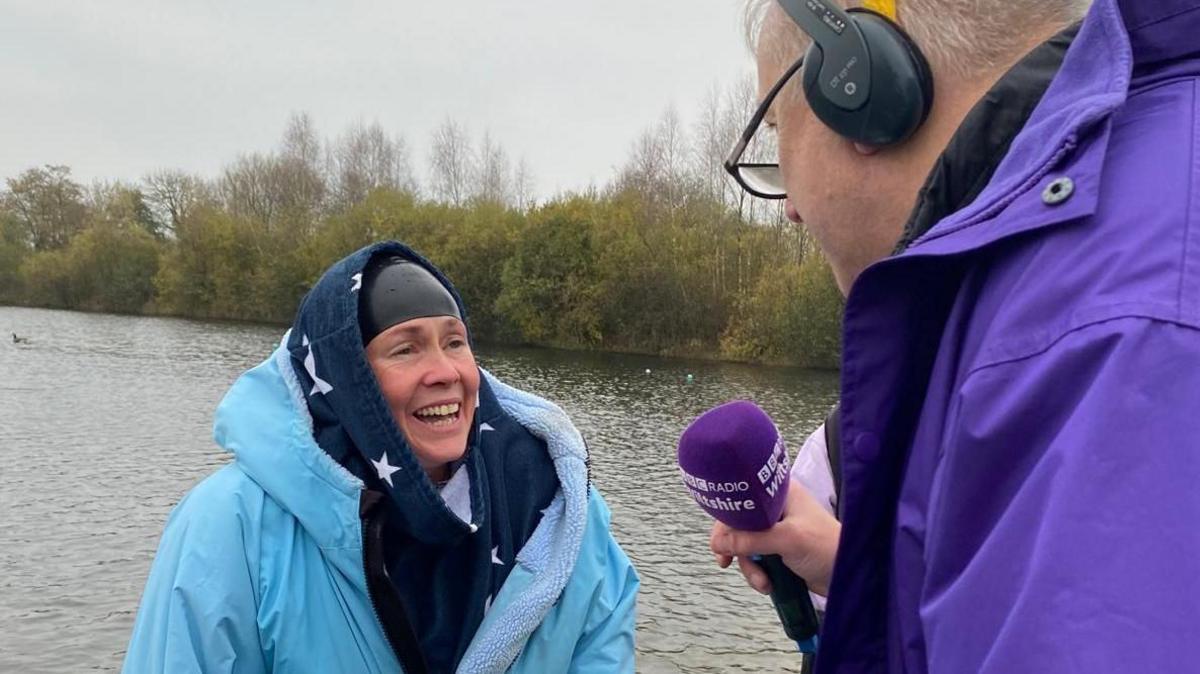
(250, 188)
(657, 166)
(122, 206)
(211, 271)
(14, 249)
(46, 280)
(493, 183)
(300, 142)
(476, 245)
(172, 195)
(366, 158)
(302, 179)
(112, 268)
(523, 186)
(723, 116)
(450, 164)
(48, 205)
(670, 257)
(549, 290)
(792, 316)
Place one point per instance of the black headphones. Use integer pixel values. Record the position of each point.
(863, 75)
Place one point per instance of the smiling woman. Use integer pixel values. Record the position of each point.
(390, 506)
(427, 373)
(416, 344)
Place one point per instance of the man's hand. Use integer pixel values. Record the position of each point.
(806, 538)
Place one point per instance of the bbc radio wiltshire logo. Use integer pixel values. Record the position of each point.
(738, 495)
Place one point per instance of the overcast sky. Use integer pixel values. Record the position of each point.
(117, 88)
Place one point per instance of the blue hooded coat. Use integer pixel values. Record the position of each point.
(309, 550)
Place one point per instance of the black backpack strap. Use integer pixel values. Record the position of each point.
(833, 448)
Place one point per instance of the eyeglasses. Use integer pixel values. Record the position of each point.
(761, 180)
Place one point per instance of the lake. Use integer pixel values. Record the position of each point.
(106, 421)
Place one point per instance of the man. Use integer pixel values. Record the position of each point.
(1020, 447)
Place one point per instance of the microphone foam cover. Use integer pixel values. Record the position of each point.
(735, 465)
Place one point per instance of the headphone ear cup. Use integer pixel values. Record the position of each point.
(901, 86)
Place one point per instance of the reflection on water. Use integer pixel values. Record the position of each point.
(105, 421)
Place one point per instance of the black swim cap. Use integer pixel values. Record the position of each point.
(395, 290)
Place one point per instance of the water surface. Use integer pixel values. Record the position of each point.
(106, 421)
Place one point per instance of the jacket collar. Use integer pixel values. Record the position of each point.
(970, 159)
(1066, 136)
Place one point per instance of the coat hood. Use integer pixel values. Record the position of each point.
(352, 421)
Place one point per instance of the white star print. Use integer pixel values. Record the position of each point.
(385, 469)
(310, 364)
(495, 557)
(487, 604)
(357, 282)
(485, 427)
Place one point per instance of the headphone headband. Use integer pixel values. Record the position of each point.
(863, 76)
(885, 7)
(845, 75)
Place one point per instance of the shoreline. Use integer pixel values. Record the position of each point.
(699, 355)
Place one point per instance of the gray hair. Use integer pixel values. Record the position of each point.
(959, 37)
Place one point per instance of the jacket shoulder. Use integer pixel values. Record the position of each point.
(1137, 255)
(1141, 247)
(224, 497)
(217, 525)
(201, 599)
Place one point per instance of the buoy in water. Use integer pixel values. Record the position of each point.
(647, 370)
(690, 378)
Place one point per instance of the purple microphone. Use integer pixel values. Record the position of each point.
(735, 465)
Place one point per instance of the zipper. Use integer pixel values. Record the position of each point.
(385, 601)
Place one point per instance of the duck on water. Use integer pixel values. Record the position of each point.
(19, 340)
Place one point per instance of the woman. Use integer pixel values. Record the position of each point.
(390, 507)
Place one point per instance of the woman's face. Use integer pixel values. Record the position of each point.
(428, 376)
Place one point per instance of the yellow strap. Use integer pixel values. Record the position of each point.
(884, 7)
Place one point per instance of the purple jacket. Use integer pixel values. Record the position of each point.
(1021, 391)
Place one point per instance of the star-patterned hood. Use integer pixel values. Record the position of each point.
(351, 419)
